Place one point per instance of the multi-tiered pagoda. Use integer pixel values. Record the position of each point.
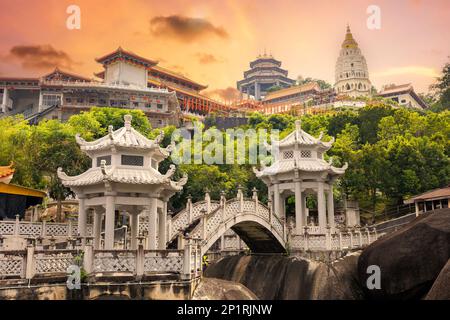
(300, 170)
(265, 72)
(124, 176)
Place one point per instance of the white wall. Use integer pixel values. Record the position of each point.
(125, 73)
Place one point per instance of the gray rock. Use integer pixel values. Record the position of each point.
(441, 287)
(216, 289)
(410, 259)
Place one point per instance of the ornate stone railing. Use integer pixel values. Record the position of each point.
(347, 239)
(40, 229)
(33, 263)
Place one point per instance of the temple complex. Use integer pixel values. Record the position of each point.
(124, 176)
(127, 81)
(265, 72)
(300, 170)
(404, 95)
(352, 75)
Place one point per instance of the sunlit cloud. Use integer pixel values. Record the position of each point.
(408, 70)
(207, 58)
(41, 57)
(185, 28)
(229, 93)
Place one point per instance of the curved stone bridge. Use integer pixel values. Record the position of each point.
(253, 222)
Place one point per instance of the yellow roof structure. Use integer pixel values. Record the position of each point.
(292, 90)
(22, 191)
(349, 41)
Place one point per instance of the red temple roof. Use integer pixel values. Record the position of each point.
(120, 53)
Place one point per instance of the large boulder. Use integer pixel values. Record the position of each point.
(291, 278)
(441, 287)
(216, 289)
(409, 259)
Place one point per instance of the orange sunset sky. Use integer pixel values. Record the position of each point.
(213, 41)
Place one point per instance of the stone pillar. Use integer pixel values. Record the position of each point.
(416, 204)
(97, 228)
(134, 229)
(5, 99)
(82, 216)
(277, 200)
(299, 219)
(152, 226)
(321, 206)
(208, 201)
(304, 209)
(162, 227)
(330, 203)
(109, 221)
(41, 101)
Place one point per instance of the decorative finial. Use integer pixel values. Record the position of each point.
(298, 124)
(127, 119)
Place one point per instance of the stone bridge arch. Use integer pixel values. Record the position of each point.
(251, 220)
(254, 231)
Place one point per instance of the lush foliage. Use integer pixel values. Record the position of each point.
(392, 153)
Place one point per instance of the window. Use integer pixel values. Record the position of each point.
(288, 154)
(305, 154)
(133, 160)
(159, 106)
(148, 105)
(135, 104)
(68, 100)
(106, 158)
(403, 101)
(51, 99)
(80, 100)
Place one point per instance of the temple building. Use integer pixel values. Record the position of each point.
(265, 72)
(15, 199)
(404, 95)
(127, 81)
(299, 169)
(124, 176)
(351, 74)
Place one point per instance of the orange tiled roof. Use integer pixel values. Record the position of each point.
(177, 75)
(6, 173)
(292, 90)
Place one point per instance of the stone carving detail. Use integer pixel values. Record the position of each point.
(115, 261)
(11, 265)
(56, 262)
(31, 229)
(6, 228)
(156, 262)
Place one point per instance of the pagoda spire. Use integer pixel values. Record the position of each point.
(349, 41)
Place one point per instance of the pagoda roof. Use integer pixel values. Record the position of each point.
(125, 137)
(307, 165)
(300, 137)
(56, 73)
(120, 53)
(6, 173)
(122, 174)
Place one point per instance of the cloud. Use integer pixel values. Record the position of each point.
(229, 93)
(185, 28)
(415, 70)
(207, 58)
(41, 57)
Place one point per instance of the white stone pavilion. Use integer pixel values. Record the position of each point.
(124, 177)
(300, 170)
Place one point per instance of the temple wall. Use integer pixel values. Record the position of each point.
(108, 290)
